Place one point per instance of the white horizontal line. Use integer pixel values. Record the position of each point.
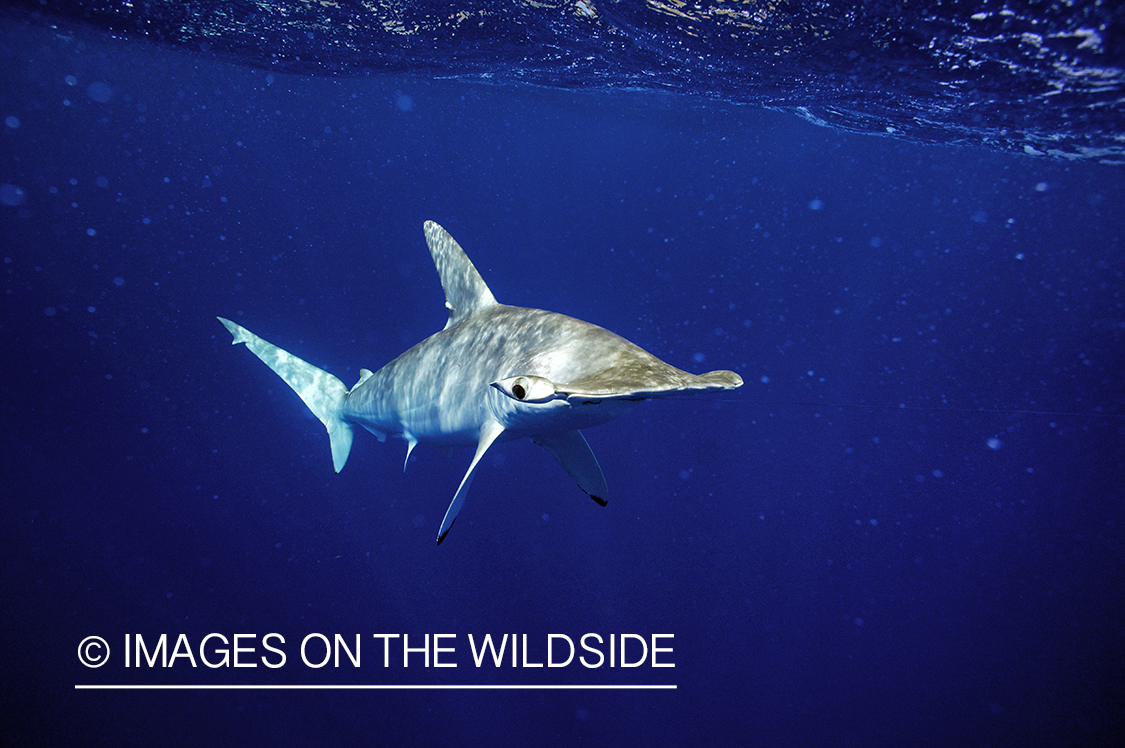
(379, 687)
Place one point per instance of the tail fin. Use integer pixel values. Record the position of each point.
(322, 392)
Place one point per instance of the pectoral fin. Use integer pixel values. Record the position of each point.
(576, 457)
(411, 443)
(488, 434)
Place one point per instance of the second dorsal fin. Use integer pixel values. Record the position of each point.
(465, 291)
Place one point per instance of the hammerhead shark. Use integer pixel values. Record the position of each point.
(494, 373)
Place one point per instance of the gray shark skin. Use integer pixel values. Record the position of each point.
(494, 373)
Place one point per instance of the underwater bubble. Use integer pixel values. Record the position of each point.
(12, 195)
(99, 92)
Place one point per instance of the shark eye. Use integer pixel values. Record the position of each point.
(527, 389)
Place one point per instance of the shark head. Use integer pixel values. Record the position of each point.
(590, 376)
(567, 361)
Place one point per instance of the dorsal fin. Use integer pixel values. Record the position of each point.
(465, 291)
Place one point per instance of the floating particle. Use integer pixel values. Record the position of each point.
(12, 195)
(99, 92)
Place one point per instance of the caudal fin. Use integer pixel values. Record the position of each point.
(322, 392)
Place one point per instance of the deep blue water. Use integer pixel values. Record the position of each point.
(905, 529)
